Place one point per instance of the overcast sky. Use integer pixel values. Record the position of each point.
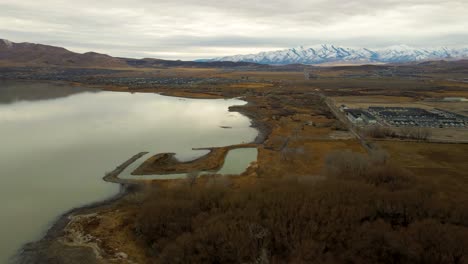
(191, 29)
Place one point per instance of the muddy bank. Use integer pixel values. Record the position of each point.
(249, 110)
(51, 249)
(113, 176)
(167, 163)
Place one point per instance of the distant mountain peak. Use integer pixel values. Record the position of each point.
(7, 43)
(330, 53)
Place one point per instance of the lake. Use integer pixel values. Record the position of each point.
(57, 141)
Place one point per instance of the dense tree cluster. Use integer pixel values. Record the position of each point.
(364, 211)
(415, 133)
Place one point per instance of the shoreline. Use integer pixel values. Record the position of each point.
(262, 127)
(113, 176)
(36, 251)
(167, 163)
(40, 251)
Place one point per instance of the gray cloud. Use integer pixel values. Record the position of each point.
(188, 29)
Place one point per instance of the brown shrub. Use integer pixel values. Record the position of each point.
(417, 133)
(365, 211)
(379, 131)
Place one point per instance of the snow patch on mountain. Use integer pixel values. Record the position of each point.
(328, 53)
(7, 43)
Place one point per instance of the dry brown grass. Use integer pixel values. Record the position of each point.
(308, 162)
(444, 164)
(166, 163)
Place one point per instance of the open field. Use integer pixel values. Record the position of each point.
(456, 107)
(366, 101)
(444, 164)
(449, 134)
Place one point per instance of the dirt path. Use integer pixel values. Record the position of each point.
(340, 116)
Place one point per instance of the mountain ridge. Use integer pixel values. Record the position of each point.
(40, 55)
(46, 55)
(31, 54)
(328, 53)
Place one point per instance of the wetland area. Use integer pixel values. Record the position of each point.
(55, 149)
(276, 175)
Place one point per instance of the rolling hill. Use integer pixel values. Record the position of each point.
(39, 55)
(44, 55)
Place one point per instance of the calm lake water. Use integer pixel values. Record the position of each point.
(57, 142)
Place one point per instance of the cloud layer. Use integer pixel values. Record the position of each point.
(188, 29)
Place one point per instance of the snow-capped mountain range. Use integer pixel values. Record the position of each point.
(335, 54)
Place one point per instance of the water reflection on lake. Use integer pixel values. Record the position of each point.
(54, 152)
(237, 160)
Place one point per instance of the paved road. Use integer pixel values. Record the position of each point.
(342, 117)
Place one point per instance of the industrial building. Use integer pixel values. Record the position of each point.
(359, 116)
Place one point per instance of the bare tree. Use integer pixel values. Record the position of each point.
(418, 133)
(405, 132)
(379, 132)
(424, 133)
(192, 177)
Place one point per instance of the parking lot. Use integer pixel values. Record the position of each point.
(411, 116)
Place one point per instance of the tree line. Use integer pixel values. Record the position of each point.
(366, 210)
